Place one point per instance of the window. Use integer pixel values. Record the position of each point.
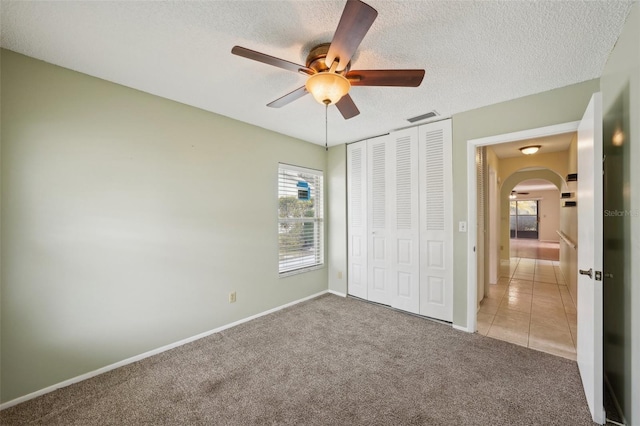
(524, 219)
(300, 219)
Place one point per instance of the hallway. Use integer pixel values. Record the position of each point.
(531, 306)
(534, 249)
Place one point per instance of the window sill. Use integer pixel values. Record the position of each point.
(300, 271)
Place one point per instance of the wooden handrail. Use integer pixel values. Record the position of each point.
(567, 240)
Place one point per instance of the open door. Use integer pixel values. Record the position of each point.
(590, 304)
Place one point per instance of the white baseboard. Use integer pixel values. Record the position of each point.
(153, 352)
(337, 293)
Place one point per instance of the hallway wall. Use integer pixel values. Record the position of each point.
(556, 161)
(569, 225)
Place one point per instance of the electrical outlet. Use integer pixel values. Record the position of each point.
(339, 275)
(232, 297)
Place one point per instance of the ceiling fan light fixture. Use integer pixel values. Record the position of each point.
(328, 65)
(531, 149)
(327, 88)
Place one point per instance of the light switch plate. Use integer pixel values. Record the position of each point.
(462, 226)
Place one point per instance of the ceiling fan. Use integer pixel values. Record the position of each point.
(328, 65)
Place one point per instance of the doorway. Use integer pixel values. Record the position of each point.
(588, 166)
(534, 219)
(530, 304)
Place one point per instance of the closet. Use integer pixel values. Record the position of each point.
(399, 197)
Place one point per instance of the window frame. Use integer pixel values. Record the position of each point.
(517, 216)
(285, 268)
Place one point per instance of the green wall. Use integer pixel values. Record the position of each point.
(337, 218)
(544, 109)
(620, 84)
(127, 219)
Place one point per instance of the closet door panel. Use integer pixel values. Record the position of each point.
(404, 224)
(357, 235)
(436, 221)
(378, 220)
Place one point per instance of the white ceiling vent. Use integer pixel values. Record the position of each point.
(430, 114)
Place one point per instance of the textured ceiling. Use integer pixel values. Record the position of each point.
(474, 53)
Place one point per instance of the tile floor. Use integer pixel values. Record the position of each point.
(531, 306)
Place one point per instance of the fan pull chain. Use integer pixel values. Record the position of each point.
(326, 127)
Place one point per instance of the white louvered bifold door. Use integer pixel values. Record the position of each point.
(357, 219)
(404, 220)
(379, 259)
(436, 220)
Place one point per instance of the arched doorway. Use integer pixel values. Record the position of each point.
(541, 185)
(529, 304)
(534, 219)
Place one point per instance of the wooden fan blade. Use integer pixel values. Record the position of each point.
(347, 107)
(356, 20)
(404, 78)
(270, 60)
(288, 98)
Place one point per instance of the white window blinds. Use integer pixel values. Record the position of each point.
(300, 219)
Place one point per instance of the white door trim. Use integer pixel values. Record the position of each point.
(472, 214)
(493, 197)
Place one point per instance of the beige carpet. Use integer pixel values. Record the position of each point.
(328, 361)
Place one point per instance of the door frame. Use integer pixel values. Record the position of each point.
(472, 196)
(494, 228)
